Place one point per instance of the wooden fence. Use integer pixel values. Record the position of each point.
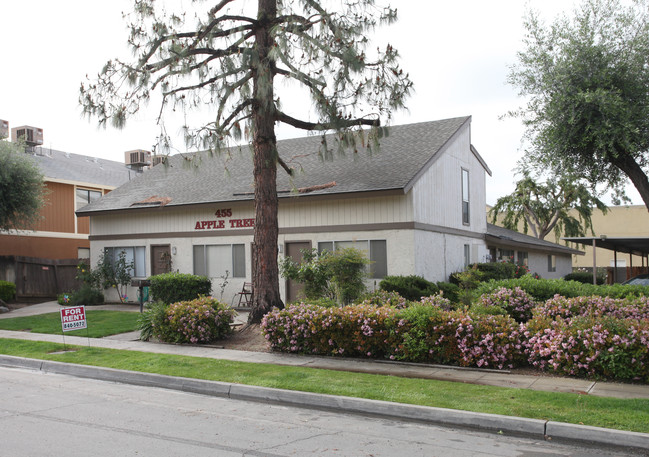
(39, 278)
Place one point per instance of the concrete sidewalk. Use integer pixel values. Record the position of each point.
(503, 378)
(531, 427)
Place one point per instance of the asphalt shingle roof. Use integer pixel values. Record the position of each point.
(512, 238)
(228, 177)
(82, 169)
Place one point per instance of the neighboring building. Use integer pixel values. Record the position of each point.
(71, 182)
(549, 260)
(630, 221)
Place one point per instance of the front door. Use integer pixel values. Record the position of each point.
(293, 250)
(160, 259)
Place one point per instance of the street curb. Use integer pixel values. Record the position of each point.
(534, 428)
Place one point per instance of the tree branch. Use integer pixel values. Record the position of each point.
(322, 126)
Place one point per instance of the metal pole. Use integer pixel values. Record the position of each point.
(594, 262)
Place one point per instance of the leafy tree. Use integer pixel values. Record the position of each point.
(549, 206)
(586, 83)
(22, 191)
(113, 272)
(335, 275)
(227, 58)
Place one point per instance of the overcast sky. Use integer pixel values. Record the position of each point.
(457, 53)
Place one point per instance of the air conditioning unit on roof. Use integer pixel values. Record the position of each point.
(137, 158)
(32, 136)
(157, 159)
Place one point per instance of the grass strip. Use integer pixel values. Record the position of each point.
(621, 414)
(101, 323)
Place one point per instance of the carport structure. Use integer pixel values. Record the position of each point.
(638, 246)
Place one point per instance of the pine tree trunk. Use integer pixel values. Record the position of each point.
(264, 269)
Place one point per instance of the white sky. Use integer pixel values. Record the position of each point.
(456, 52)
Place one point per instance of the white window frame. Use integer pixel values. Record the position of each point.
(137, 256)
(466, 200)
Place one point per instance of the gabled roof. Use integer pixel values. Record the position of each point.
(403, 154)
(510, 238)
(80, 169)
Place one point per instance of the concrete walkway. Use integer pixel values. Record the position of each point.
(503, 378)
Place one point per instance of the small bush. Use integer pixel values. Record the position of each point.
(7, 290)
(438, 300)
(450, 290)
(516, 302)
(627, 308)
(202, 320)
(409, 287)
(152, 323)
(175, 287)
(584, 277)
(86, 296)
(496, 270)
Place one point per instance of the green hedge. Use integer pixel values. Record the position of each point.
(175, 287)
(544, 289)
(584, 277)
(7, 290)
(409, 287)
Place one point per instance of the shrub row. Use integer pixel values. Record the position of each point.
(602, 342)
(544, 289)
(202, 320)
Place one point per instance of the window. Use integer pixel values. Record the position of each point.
(507, 255)
(522, 258)
(134, 255)
(465, 196)
(552, 263)
(467, 255)
(83, 253)
(213, 260)
(377, 250)
(85, 196)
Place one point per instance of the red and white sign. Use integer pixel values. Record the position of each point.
(73, 318)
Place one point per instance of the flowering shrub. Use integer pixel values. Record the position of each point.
(590, 346)
(202, 320)
(437, 300)
(516, 302)
(627, 308)
(417, 333)
(354, 331)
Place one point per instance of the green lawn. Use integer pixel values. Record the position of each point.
(623, 414)
(100, 323)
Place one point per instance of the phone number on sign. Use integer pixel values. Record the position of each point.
(70, 325)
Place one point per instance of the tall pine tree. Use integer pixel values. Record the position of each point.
(225, 58)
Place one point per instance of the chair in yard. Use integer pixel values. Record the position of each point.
(245, 296)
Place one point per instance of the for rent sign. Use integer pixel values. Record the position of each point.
(73, 318)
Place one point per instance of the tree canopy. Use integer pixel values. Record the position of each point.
(21, 188)
(561, 204)
(586, 83)
(222, 61)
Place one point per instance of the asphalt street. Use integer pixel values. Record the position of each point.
(45, 414)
